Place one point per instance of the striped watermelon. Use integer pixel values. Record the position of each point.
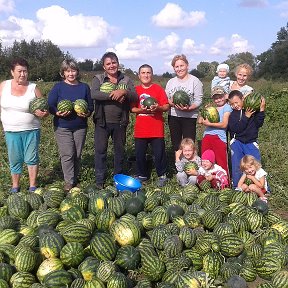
(126, 232)
(76, 232)
(80, 106)
(38, 103)
(58, 279)
(107, 87)
(105, 270)
(22, 280)
(65, 106)
(231, 245)
(51, 244)
(181, 97)
(280, 279)
(118, 280)
(152, 267)
(128, 257)
(47, 266)
(72, 254)
(103, 247)
(89, 267)
(25, 260)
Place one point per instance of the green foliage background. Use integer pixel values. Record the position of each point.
(273, 145)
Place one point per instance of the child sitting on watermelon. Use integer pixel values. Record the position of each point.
(187, 162)
(212, 172)
(253, 178)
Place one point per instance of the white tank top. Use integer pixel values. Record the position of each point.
(15, 114)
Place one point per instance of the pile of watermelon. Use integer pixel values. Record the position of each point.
(169, 237)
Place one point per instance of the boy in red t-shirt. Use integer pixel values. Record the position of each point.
(149, 125)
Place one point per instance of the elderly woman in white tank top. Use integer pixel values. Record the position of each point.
(22, 129)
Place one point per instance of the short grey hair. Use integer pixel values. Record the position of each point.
(66, 64)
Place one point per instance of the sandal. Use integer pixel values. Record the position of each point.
(32, 188)
(15, 190)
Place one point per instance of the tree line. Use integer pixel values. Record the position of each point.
(44, 58)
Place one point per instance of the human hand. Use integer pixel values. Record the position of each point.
(118, 95)
(249, 112)
(209, 177)
(63, 114)
(182, 107)
(206, 122)
(262, 104)
(41, 113)
(84, 115)
(192, 172)
(178, 154)
(153, 107)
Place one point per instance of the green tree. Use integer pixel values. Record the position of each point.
(239, 58)
(207, 69)
(272, 64)
(86, 65)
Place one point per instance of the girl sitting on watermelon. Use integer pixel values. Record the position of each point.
(187, 162)
(253, 178)
(212, 172)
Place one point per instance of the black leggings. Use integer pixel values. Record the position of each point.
(180, 128)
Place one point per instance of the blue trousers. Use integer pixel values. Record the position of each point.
(238, 151)
(159, 153)
(101, 137)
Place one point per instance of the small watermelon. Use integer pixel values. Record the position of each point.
(190, 165)
(65, 106)
(107, 87)
(148, 102)
(81, 106)
(252, 101)
(210, 113)
(181, 97)
(38, 103)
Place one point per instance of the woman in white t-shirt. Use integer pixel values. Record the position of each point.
(22, 129)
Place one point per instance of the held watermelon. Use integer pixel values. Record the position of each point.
(38, 103)
(181, 97)
(210, 113)
(65, 106)
(122, 86)
(148, 102)
(191, 165)
(252, 101)
(81, 106)
(107, 87)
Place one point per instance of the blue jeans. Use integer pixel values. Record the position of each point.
(101, 137)
(238, 151)
(159, 153)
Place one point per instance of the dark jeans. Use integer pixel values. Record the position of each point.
(159, 153)
(101, 137)
(180, 128)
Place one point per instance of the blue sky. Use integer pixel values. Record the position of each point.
(150, 31)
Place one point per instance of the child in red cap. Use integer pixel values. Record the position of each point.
(211, 171)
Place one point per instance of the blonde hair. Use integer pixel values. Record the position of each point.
(179, 57)
(188, 142)
(244, 66)
(249, 160)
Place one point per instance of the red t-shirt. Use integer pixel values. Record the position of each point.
(150, 125)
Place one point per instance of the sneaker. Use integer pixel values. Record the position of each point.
(32, 188)
(15, 190)
(141, 178)
(162, 181)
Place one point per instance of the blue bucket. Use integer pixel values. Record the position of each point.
(125, 182)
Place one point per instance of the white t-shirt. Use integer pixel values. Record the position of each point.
(216, 168)
(259, 174)
(15, 114)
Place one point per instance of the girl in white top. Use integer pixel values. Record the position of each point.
(243, 73)
(253, 178)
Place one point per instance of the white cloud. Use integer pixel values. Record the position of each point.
(169, 44)
(72, 30)
(18, 29)
(254, 3)
(7, 6)
(56, 24)
(138, 48)
(190, 48)
(236, 44)
(173, 16)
